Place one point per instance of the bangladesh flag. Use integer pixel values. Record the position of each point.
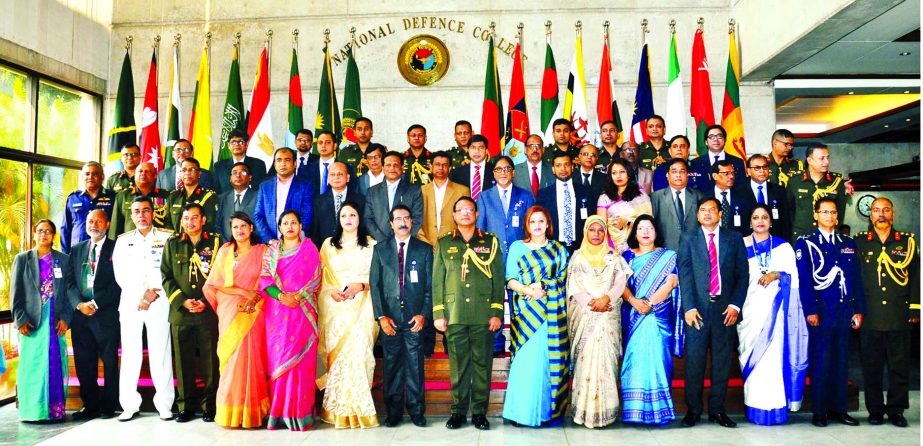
(295, 116)
(492, 110)
(123, 120)
(549, 88)
(234, 117)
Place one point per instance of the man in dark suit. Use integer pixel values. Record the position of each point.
(240, 197)
(735, 207)
(478, 168)
(401, 281)
(394, 190)
(237, 142)
(95, 325)
(759, 190)
(679, 148)
(674, 207)
(327, 205)
(317, 171)
(375, 173)
(713, 294)
(171, 178)
(586, 173)
(298, 197)
(534, 174)
(569, 203)
(715, 137)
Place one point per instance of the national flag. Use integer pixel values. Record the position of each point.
(644, 98)
(295, 116)
(173, 132)
(517, 117)
(550, 105)
(575, 102)
(701, 108)
(123, 120)
(200, 122)
(259, 122)
(234, 118)
(607, 109)
(492, 109)
(676, 103)
(731, 117)
(328, 112)
(352, 99)
(150, 126)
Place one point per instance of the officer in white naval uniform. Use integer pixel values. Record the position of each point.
(136, 263)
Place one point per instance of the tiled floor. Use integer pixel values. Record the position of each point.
(150, 430)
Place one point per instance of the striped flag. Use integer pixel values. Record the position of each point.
(173, 132)
(551, 107)
(731, 117)
(701, 108)
(123, 120)
(676, 103)
(492, 108)
(517, 117)
(644, 98)
(295, 115)
(150, 126)
(575, 102)
(234, 118)
(259, 120)
(607, 109)
(200, 122)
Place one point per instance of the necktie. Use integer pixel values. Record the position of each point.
(336, 206)
(586, 180)
(759, 195)
(568, 217)
(680, 213)
(323, 181)
(535, 181)
(506, 202)
(714, 282)
(476, 183)
(725, 210)
(179, 179)
(716, 159)
(93, 258)
(400, 270)
(237, 202)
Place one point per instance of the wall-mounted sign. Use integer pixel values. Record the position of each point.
(423, 60)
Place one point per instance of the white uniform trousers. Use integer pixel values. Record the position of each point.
(159, 355)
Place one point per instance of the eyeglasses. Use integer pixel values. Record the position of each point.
(44, 231)
(715, 137)
(788, 145)
(759, 168)
(589, 154)
(503, 169)
(237, 142)
(304, 140)
(189, 170)
(827, 212)
(464, 211)
(534, 146)
(182, 149)
(631, 150)
(130, 155)
(727, 174)
(240, 173)
(373, 157)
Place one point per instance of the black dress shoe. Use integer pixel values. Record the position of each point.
(690, 420)
(208, 417)
(185, 416)
(842, 418)
(722, 419)
(819, 420)
(897, 419)
(418, 420)
(85, 415)
(480, 422)
(456, 421)
(876, 419)
(392, 420)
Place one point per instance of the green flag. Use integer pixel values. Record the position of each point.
(328, 113)
(295, 116)
(549, 89)
(352, 99)
(174, 112)
(123, 120)
(492, 124)
(234, 117)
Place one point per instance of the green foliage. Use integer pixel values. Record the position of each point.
(14, 109)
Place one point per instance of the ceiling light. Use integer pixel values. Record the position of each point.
(904, 53)
(908, 120)
(906, 91)
(886, 126)
(852, 92)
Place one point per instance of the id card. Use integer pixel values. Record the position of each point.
(91, 279)
(58, 274)
(583, 213)
(775, 213)
(737, 220)
(414, 278)
(515, 222)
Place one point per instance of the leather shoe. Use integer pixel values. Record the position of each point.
(185, 416)
(898, 420)
(128, 416)
(876, 419)
(722, 419)
(842, 418)
(456, 421)
(107, 414)
(480, 422)
(819, 420)
(85, 415)
(690, 419)
(392, 421)
(418, 420)
(208, 417)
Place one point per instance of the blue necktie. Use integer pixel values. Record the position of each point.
(759, 195)
(323, 182)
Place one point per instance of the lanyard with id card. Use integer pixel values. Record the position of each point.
(58, 273)
(414, 276)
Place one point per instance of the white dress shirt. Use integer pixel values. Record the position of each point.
(392, 191)
(282, 187)
(482, 165)
(439, 193)
(375, 179)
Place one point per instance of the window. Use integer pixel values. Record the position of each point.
(14, 109)
(67, 123)
(50, 186)
(14, 234)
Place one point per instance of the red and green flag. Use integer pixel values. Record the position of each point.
(352, 99)
(731, 117)
(701, 108)
(492, 109)
(550, 106)
(295, 115)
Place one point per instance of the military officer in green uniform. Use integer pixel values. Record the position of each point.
(468, 289)
(192, 192)
(123, 179)
(187, 259)
(781, 164)
(609, 134)
(417, 158)
(145, 176)
(459, 152)
(813, 184)
(655, 151)
(890, 267)
(354, 154)
(561, 130)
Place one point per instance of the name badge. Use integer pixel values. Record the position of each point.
(515, 222)
(414, 278)
(91, 279)
(775, 213)
(58, 274)
(583, 213)
(737, 220)
(204, 265)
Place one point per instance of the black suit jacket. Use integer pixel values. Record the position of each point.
(597, 180)
(226, 209)
(703, 163)
(548, 198)
(222, 172)
(377, 212)
(383, 279)
(311, 173)
(695, 271)
(106, 292)
(462, 175)
(741, 204)
(325, 221)
(779, 203)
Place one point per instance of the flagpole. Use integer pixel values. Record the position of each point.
(548, 31)
(128, 44)
(269, 58)
(701, 23)
(295, 39)
(731, 25)
(176, 48)
(208, 55)
(644, 31)
(673, 26)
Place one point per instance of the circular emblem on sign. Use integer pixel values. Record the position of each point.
(423, 60)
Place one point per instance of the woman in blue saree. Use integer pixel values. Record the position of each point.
(654, 326)
(536, 266)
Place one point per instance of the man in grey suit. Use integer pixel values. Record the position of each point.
(169, 178)
(394, 190)
(375, 173)
(533, 175)
(240, 197)
(401, 282)
(675, 206)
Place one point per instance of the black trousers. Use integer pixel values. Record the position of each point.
(403, 373)
(891, 348)
(93, 341)
(187, 339)
(428, 337)
(828, 351)
(714, 336)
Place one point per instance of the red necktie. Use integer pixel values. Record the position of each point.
(714, 283)
(476, 183)
(535, 181)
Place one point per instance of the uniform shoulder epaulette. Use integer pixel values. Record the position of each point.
(804, 236)
(447, 234)
(121, 235)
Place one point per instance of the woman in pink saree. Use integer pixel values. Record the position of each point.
(290, 280)
(231, 289)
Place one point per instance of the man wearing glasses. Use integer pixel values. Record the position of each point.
(631, 154)
(735, 207)
(375, 173)
(533, 174)
(781, 164)
(586, 173)
(145, 175)
(810, 186)
(762, 191)
(237, 143)
(239, 198)
(192, 192)
(123, 179)
(170, 178)
(715, 138)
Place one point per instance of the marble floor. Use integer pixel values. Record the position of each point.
(149, 430)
